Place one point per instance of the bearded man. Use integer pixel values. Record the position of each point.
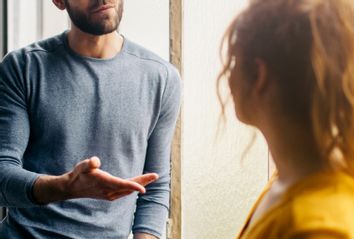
(86, 123)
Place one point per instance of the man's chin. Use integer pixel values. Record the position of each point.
(101, 33)
(99, 30)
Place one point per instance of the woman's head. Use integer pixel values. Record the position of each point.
(302, 51)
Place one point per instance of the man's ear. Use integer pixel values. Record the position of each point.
(262, 76)
(60, 4)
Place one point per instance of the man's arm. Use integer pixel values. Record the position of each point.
(152, 207)
(15, 183)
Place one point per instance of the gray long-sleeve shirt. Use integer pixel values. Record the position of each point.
(58, 108)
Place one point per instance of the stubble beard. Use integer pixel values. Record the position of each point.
(85, 23)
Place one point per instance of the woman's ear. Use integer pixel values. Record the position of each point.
(262, 76)
(60, 4)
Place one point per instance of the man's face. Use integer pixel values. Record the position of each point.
(96, 17)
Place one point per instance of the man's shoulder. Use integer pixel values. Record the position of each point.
(48, 45)
(141, 53)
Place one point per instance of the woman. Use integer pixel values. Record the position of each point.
(290, 65)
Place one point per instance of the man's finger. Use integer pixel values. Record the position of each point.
(119, 184)
(95, 162)
(87, 165)
(131, 185)
(145, 179)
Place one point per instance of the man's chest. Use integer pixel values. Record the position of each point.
(72, 103)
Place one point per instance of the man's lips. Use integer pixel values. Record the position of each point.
(103, 8)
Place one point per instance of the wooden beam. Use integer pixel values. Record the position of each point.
(175, 221)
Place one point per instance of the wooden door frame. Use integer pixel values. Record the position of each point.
(174, 227)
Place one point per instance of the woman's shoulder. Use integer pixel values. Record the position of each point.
(319, 205)
(322, 203)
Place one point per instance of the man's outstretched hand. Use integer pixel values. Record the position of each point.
(87, 180)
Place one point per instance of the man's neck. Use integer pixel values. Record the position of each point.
(103, 46)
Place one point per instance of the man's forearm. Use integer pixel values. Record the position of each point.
(144, 236)
(49, 189)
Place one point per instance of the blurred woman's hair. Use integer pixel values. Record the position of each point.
(308, 46)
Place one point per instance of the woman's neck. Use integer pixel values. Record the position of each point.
(294, 150)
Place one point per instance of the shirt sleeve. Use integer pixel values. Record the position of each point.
(15, 182)
(152, 207)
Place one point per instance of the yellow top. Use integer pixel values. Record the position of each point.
(319, 207)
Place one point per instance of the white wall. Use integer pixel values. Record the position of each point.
(217, 189)
(28, 22)
(22, 23)
(54, 20)
(147, 23)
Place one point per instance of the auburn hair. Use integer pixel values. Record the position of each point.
(309, 47)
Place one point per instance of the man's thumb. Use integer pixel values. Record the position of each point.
(87, 165)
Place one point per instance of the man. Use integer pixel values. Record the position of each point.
(82, 115)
